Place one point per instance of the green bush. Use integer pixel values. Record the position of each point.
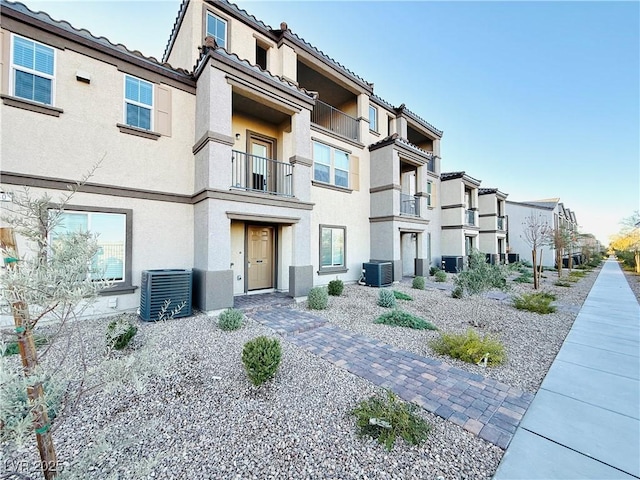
(398, 318)
(11, 348)
(385, 417)
(433, 270)
(440, 276)
(120, 332)
(481, 276)
(230, 319)
(539, 302)
(418, 282)
(524, 278)
(401, 296)
(469, 347)
(562, 283)
(386, 298)
(318, 298)
(261, 358)
(335, 287)
(457, 292)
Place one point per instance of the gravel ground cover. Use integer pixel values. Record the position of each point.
(532, 341)
(177, 403)
(634, 282)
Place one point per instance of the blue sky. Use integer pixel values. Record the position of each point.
(539, 99)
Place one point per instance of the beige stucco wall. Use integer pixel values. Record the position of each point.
(240, 124)
(351, 210)
(184, 53)
(162, 236)
(69, 145)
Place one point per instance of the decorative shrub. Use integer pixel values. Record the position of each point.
(539, 302)
(120, 332)
(481, 276)
(562, 283)
(524, 278)
(230, 319)
(401, 296)
(318, 298)
(469, 347)
(335, 287)
(433, 270)
(418, 282)
(440, 276)
(457, 292)
(398, 318)
(261, 358)
(385, 417)
(386, 298)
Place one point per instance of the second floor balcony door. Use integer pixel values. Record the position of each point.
(261, 151)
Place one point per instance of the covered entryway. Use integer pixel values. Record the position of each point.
(260, 257)
(409, 253)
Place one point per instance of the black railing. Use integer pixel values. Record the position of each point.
(470, 217)
(335, 120)
(250, 172)
(409, 205)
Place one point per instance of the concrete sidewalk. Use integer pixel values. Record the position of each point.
(584, 422)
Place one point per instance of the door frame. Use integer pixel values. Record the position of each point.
(274, 254)
(273, 146)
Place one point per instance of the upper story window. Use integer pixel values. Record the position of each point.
(261, 56)
(430, 194)
(33, 67)
(138, 100)
(217, 28)
(373, 118)
(330, 165)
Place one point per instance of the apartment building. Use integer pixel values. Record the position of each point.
(246, 155)
(555, 215)
(492, 239)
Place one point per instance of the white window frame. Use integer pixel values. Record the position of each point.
(151, 107)
(332, 165)
(333, 268)
(226, 29)
(429, 194)
(373, 120)
(37, 73)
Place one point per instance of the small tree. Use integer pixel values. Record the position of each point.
(560, 243)
(52, 281)
(537, 232)
(628, 239)
(480, 277)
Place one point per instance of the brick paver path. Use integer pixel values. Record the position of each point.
(483, 406)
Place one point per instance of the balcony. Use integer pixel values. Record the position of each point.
(409, 205)
(469, 217)
(258, 174)
(335, 120)
(502, 222)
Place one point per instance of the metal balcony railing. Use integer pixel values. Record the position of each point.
(502, 223)
(258, 174)
(335, 120)
(470, 217)
(409, 205)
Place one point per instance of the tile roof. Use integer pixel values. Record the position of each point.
(87, 35)
(397, 139)
(463, 175)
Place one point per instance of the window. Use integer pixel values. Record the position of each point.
(429, 194)
(138, 102)
(261, 57)
(330, 165)
(373, 118)
(332, 248)
(217, 28)
(112, 261)
(33, 66)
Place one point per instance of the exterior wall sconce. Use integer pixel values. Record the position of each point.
(237, 136)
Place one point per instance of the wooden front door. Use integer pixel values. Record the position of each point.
(260, 258)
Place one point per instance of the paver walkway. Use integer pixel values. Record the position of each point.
(585, 420)
(483, 406)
